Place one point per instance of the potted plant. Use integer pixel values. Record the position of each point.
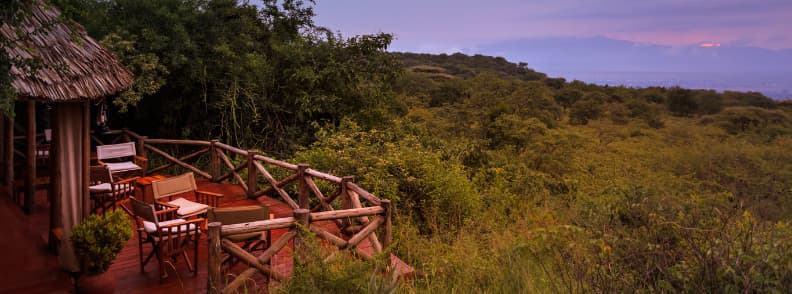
(97, 242)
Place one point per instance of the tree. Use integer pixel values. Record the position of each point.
(584, 110)
(681, 102)
(264, 77)
(567, 97)
(709, 102)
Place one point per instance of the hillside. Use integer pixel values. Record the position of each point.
(509, 181)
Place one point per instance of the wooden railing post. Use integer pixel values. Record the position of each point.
(214, 163)
(252, 180)
(301, 215)
(214, 284)
(346, 203)
(387, 230)
(124, 133)
(302, 192)
(141, 147)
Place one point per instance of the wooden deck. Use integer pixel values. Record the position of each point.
(30, 268)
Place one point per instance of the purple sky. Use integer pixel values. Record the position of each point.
(448, 26)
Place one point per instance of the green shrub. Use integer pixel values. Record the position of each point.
(99, 238)
(585, 110)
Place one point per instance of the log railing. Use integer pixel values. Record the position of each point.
(359, 215)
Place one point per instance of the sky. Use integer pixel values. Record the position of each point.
(445, 26)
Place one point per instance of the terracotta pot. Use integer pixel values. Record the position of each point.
(103, 283)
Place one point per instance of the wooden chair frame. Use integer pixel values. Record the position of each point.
(119, 191)
(167, 241)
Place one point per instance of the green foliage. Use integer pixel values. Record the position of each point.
(250, 76)
(755, 99)
(681, 102)
(415, 177)
(342, 274)
(584, 110)
(709, 102)
(741, 120)
(465, 66)
(567, 97)
(99, 238)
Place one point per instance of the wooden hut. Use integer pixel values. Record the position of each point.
(76, 71)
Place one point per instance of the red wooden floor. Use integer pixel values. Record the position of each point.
(31, 269)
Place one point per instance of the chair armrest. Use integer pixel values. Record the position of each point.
(142, 162)
(167, 230)
(126, 181)
(208, 198)
(165, 211)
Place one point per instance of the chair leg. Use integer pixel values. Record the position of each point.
(140, 251)
(163, 274)
(195, 255)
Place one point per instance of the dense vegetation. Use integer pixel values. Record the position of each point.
(505, 180)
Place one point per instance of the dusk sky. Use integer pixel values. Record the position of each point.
(449, 26)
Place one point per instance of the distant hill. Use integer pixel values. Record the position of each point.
(464, 66)
(599, 53)
(606, 61)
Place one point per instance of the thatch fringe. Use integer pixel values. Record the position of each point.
(75, 66)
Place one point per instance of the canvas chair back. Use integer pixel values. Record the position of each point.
(173, 186)
(100, 175)
(143, 210)
(47, 135)
(238, 214)
(112, 151)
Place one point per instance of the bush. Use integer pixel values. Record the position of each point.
(681, 102)
(584, 110)
(99, 239)
(709, 102)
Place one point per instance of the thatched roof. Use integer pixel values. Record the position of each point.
(75, 66)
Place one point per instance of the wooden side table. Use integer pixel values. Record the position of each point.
(143, 190)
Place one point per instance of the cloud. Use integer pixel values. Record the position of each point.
(466, 23)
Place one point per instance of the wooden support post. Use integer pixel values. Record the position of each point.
(30, 180)
(124, 135)
(141, 149)
(214, 282)
(301, 215)
(252, 180)
(9, 155)
(346, 203)
(3, 138)
(140, 144)
(214, 163)
(302, 192)
(387, 229)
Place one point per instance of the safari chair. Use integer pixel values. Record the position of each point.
(106, 193)
(121, 158)
(243, 214)
(43, 149)
(169, 237)
(183, 185)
